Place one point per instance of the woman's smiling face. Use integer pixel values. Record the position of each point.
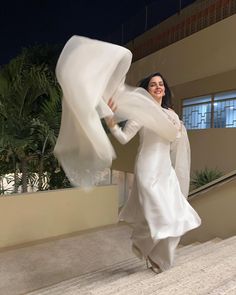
(156, 88)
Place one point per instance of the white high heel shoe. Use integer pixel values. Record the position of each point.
(154, 267)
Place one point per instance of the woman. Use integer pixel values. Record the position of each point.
(157, 208)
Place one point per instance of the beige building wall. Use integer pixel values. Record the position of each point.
(214, 84)
(206, 53)
(30, 217)
(200, 64)
(217, 211)
(125, 154)
(211, 148)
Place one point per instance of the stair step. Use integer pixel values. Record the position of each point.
(148, 283)
(98, 275)
(189, 247)
(203, 281)
(193, 247)
(131, 277)
(225, 289)
(231, 292)
(197, 251)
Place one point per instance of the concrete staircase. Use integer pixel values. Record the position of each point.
(208, 268)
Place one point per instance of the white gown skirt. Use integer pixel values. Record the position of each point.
(156, 193)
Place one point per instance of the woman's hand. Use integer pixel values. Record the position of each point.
(110, 120)
(112, 105)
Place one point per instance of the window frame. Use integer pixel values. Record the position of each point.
(212, 101)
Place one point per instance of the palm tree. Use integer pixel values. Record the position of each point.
(29, 99)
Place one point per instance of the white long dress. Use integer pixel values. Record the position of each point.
(90, 72)
(156, 207)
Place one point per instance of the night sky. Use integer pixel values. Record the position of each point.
(28, 22)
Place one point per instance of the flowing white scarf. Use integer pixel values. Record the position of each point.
(90, 72)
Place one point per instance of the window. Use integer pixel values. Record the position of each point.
(225, 110)
(211, 111)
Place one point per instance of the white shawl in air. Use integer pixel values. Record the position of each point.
(89, 73)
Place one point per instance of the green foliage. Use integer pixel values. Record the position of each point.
(204, 176)
(30, 114)
(58, 179)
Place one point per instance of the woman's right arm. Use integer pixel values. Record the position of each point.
(122, 135)
(127, 133)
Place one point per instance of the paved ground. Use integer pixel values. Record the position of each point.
(46, 263)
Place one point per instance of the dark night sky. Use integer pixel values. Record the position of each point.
(28, 22)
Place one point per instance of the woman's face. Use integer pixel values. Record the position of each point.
(156, 88)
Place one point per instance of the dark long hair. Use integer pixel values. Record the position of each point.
(166, 100)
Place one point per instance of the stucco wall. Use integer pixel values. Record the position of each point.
(217, 211)
(30, 217)
(208, 52)
(211, 148)
(200, 64)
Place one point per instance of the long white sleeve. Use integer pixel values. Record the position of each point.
(127, 133)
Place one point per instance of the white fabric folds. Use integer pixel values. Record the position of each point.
(90, 72)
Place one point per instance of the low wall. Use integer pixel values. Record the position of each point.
(34, 216)
(216, 208)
